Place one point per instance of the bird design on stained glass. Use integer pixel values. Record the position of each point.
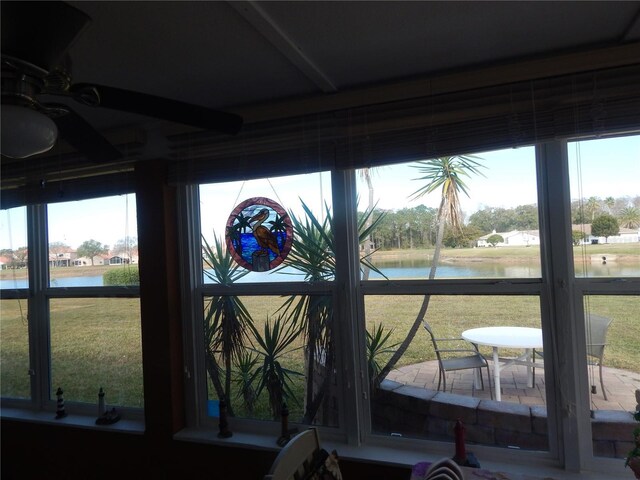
(259, 234)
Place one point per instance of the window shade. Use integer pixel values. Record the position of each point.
(510, 115)
(68, 190)
(453, 121)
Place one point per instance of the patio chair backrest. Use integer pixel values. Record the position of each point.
(427, 327)
(298, 459)
(596, 330)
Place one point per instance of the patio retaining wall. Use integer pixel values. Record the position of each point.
(428, 413)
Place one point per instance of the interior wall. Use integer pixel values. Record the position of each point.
(36, 451)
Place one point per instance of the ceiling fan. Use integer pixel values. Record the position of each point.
(35, 39)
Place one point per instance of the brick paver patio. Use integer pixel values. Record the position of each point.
(620, 384)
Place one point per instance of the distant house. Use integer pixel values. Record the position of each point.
(119, 260)
(62, 258)
(97, 260)
(514, 238)
(532, 237)
(123, 258)
(626, 235)
(5, 262)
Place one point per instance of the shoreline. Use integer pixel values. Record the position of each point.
(616, 254)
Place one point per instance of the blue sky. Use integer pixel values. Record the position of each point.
(608, 167)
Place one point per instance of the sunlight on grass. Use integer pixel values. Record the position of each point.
(96, 342)
(14, 338)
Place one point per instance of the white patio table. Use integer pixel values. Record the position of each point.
(507, 337)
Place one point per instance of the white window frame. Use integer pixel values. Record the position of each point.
(559, 291)
(38, 295)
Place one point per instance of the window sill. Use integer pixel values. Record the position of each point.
(79, 421)
(405, 456)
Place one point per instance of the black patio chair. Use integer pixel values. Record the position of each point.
(596, 328)
(451, 359)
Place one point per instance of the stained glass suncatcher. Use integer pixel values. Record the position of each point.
(259, 234)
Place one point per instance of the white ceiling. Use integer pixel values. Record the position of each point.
(230, 55)
(227, 54)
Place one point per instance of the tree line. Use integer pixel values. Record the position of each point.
(409, 228)
(89, 249)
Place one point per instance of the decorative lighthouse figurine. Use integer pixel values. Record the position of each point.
(284, 426)
(101, 404)
(223, 425)
(61, 412)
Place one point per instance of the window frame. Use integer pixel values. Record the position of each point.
(567, 433)
(38, 295)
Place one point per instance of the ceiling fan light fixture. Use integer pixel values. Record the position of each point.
(26, 132)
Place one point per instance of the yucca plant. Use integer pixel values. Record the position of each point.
(275, 342)
(226, 319)
(313, 256)
(377, 345)
(244, 379)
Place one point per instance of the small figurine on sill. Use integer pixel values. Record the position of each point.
(284, 437)
(108, 417)
(285, 431)
(223, 424)
(101, 405)
(462, 457)
(61, 412)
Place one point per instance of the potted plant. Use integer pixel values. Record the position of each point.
(633, 457)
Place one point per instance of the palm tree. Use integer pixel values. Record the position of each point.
(592, 206)
(365, 173)
(610, 202)
(235, 231)
(446, 174)
(629, 217)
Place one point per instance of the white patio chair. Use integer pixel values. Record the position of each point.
(444, 469)
(298, 458)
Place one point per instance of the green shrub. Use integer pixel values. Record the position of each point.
(121, 276)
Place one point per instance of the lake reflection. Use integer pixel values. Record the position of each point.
(419, 268)
(393, 269)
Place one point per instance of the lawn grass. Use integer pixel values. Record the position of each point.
(450, 315)
(96, 342)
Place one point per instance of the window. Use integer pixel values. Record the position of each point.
(95, 343)
(15, 348)
(14, 308)
(384, 240)
(497, 204)
(86, 311)
(485, 228)
(605, 214)
(265, 320)
(605, 206)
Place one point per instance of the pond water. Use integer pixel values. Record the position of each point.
(396, 269)
(80, 281)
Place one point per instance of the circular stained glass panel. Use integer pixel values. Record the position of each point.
(259, 234)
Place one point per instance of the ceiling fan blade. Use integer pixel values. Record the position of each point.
(84, 138)
(40, 32)
(163, 108)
